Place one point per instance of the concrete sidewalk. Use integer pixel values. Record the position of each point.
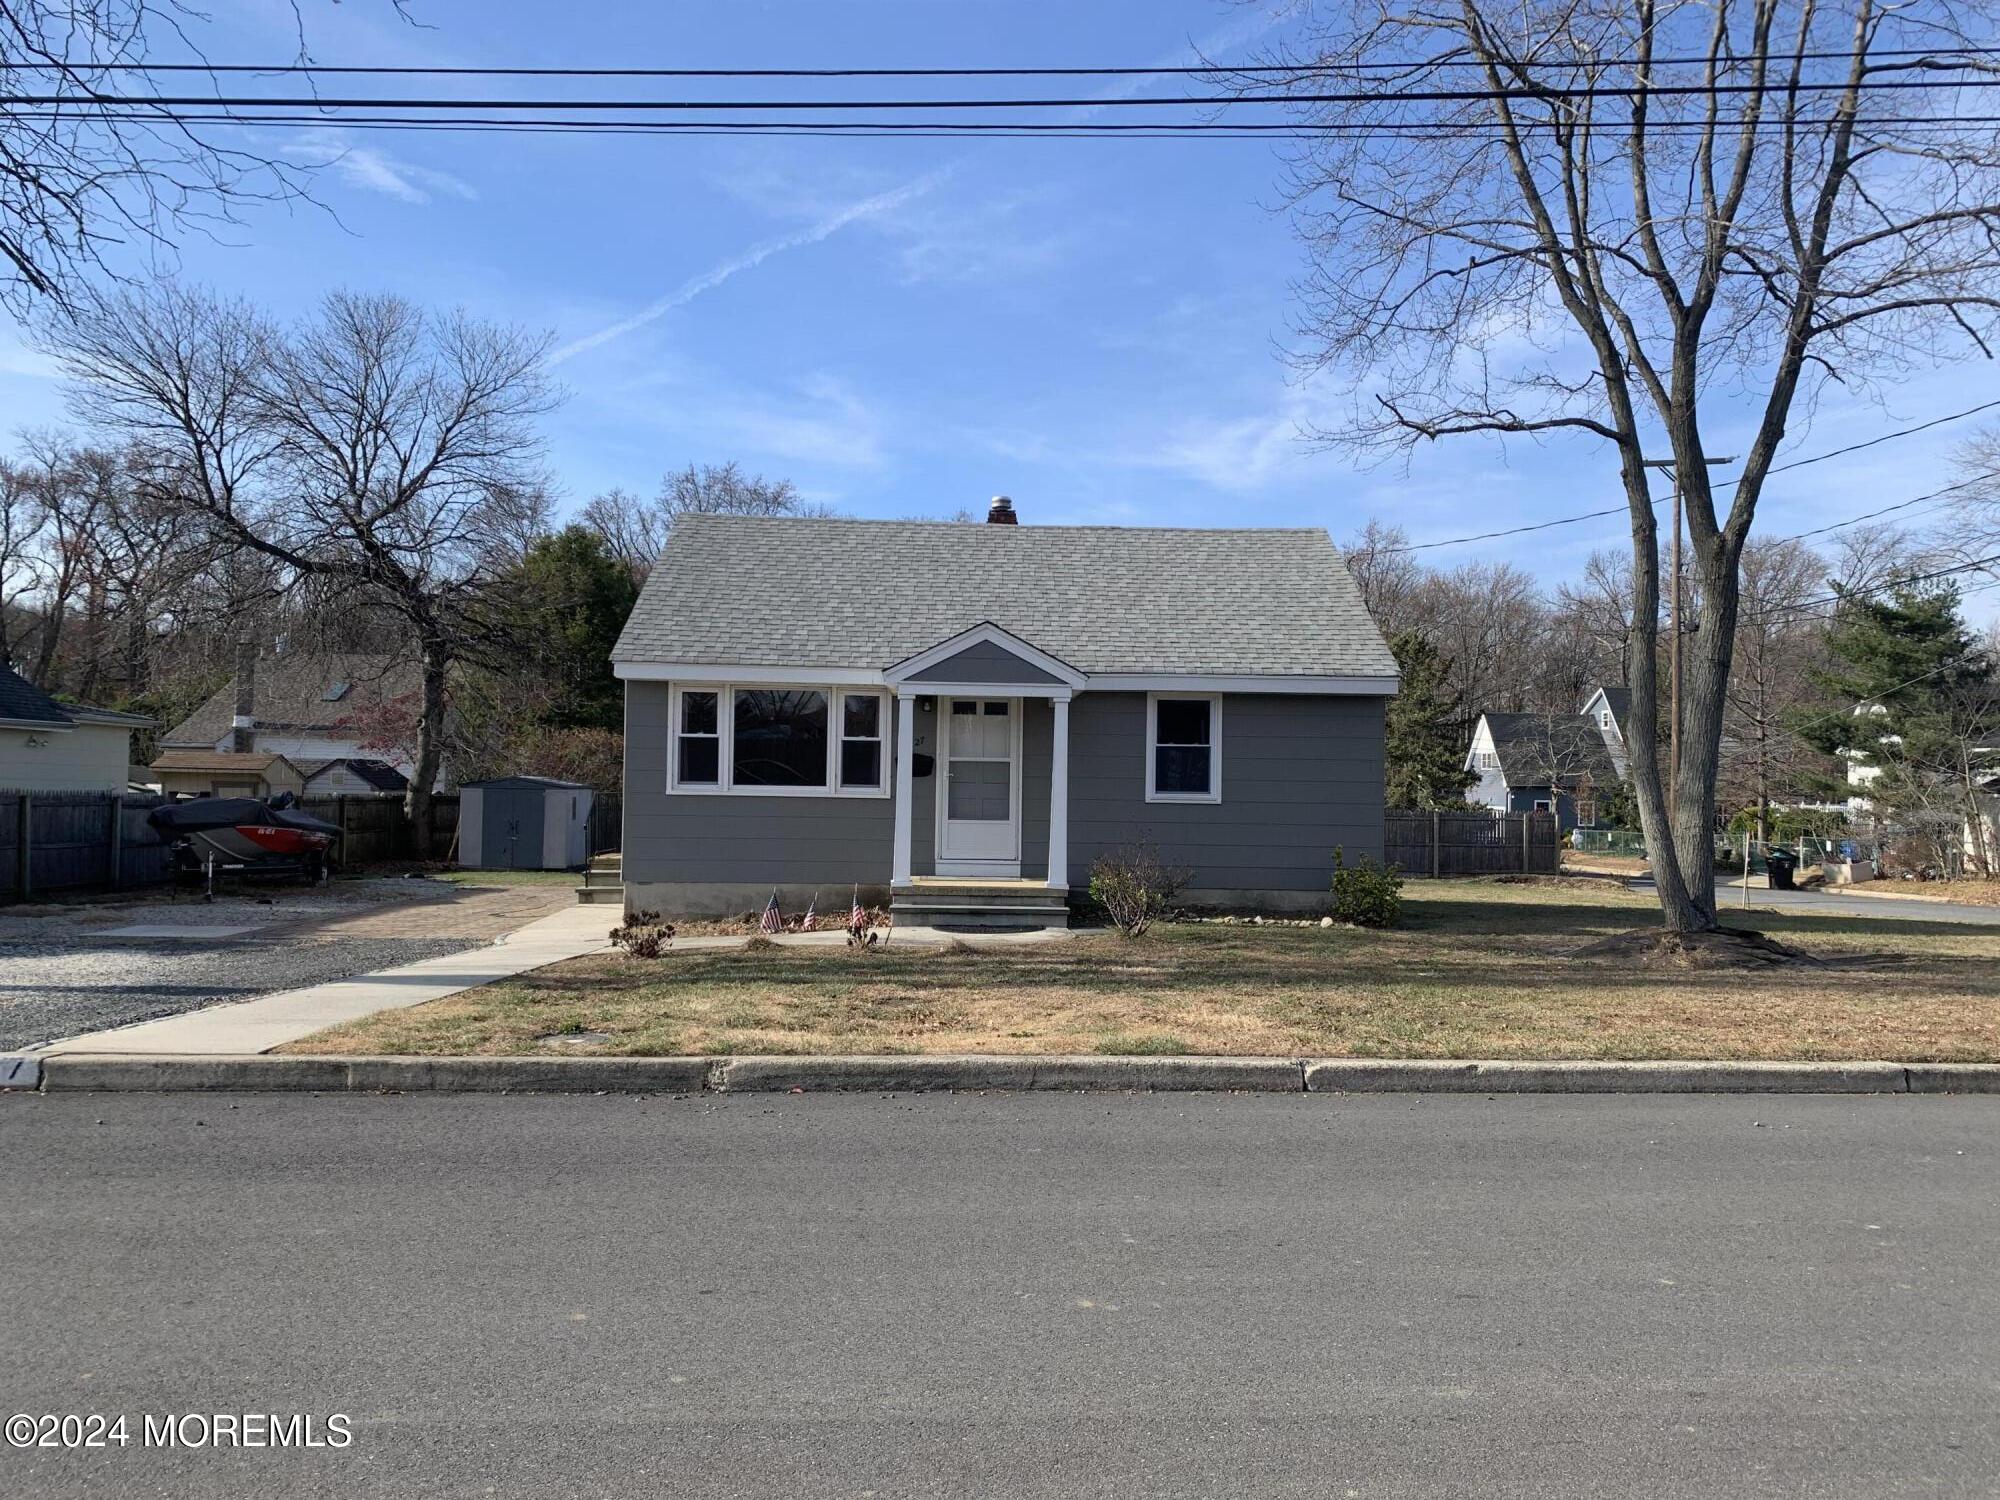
(255, 1026)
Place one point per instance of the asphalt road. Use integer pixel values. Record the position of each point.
(1065, 1295)
(1891, 908)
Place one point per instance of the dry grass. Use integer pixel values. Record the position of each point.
(1481, 970)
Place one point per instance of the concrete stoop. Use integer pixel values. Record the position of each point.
(723, 1075)
(979, 906)
(603, 881)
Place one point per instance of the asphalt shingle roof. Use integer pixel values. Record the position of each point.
(767, 591)
(21, 700)
(1541, 749)
(290, 694)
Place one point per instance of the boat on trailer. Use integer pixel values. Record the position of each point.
(212, 836)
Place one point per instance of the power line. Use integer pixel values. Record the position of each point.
(1360, 96)
(1963, 484)
(937, 129)
(1797, 463)
(1411, 65)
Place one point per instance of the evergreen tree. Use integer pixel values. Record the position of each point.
(1913, 695)
(1426, 729)
(564, 604)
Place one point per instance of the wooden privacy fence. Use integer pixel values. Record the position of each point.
(72, 841)
(79, 841)
(1472, 843)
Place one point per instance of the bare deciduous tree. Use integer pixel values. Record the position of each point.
(636, 530)
(88, 173)
(1606, 217)
(374, 447)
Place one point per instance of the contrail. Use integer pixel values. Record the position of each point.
(756, 255)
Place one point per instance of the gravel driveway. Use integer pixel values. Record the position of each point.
(61, 975)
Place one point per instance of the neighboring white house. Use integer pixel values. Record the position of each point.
(47, 746)
(310, 707)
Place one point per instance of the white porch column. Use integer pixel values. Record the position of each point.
(906, 746)
(1059, 798)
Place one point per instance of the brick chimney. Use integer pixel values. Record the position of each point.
(243, 727)
(1001, 512)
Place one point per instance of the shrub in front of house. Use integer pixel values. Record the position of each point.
(644, 934)
(1366, 894)
(1135, 886)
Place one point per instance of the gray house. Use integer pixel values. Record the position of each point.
(1528, 762)
(967, 716)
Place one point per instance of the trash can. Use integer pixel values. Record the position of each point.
(1781, 863)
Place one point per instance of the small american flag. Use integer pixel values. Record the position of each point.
(772, 920)
(856, 917)
(810, 922)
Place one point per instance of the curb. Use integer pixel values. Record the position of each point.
(79, 1072)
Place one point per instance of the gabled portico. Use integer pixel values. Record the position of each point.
(975, 690)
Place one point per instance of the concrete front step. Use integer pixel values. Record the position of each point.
(1008, 916)
(974, 895)
(612, 861)
(597, 877)
(600, 895)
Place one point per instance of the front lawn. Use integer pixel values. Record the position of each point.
(1479, 971)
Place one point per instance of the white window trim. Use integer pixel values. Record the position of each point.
(879, 739)
(725, 723)
(1214, 702)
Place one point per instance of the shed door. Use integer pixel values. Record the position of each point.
(511, 829)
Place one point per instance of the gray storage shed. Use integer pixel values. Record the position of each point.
(524, 823)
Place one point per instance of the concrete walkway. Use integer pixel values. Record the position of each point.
(272, 1020)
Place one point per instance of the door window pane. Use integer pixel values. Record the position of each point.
(780, 737)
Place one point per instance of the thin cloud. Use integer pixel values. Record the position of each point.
(756, 255)
(376, 171)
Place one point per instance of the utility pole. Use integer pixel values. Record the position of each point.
(1675, 606)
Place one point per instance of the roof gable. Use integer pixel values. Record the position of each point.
(1103, 600)
(985, 654)
(1546, 749)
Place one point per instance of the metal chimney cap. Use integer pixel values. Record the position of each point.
(1001, 512)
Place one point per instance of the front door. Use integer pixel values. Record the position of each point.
(979, 812)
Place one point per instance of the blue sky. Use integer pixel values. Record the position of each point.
(907, 327)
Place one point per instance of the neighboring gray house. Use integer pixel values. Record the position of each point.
(1539, 762)
(912, 706)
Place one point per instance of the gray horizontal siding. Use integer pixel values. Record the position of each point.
(1300, 775)
(831, 841)
(984, 661)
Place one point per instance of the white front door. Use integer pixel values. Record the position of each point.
(979, 801)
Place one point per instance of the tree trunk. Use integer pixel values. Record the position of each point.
(430, 744)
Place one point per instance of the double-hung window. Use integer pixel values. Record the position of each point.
(698, 740)
(860, 741)
(1183, 747)
(778, 741)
